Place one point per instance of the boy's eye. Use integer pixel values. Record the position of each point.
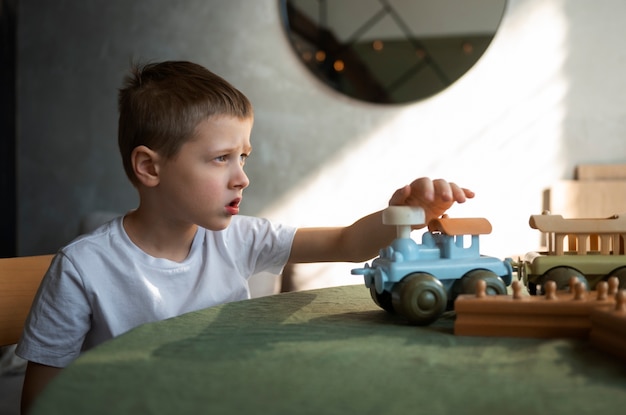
(226, 157)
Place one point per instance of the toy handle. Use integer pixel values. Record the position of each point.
(404, 217)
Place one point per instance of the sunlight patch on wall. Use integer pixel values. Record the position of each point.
(521, 144)
(498, 130)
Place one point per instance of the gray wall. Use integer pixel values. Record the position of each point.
(547, 95)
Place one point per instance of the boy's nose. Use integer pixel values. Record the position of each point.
(241, 179)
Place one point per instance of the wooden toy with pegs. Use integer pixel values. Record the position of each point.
(557, 314)
(608, 327)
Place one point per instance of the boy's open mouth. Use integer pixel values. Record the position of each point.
(233, 207)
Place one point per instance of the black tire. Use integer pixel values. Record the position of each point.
(419, 297)
(561, 276)
(382, 300)
(495, 285)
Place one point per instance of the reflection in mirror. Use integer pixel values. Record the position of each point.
(390, 51)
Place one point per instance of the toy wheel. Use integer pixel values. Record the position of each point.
(495, 285)
(382, 300)
(620, 273)
(419, 297)
(561, 276)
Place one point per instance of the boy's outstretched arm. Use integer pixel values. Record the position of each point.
(363, 239)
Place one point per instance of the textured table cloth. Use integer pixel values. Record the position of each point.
(330, 351)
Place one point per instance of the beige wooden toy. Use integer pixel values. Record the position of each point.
(557, 314)
(589, 249)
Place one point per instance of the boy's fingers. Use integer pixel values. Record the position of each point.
(399, 196)
(459, 194)
(423, 188)
(443, 189)
(423, 192)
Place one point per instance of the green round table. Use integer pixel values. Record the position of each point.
(330, 351)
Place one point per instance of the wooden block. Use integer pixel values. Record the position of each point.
(608, 328)
(601, 172)
(555, 315)
(586, 199)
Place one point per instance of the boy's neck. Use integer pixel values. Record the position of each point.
(157, 239)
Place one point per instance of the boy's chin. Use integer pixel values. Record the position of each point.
(218, 225)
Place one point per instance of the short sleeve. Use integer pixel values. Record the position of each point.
(262, 245)
(59, 318)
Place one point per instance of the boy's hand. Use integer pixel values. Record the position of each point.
(434, 196)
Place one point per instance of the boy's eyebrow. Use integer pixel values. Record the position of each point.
(246, 149)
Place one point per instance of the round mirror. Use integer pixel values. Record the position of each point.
(390, 51)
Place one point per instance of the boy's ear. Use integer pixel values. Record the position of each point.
(146, 165)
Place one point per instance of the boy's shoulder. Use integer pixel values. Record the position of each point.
(102, 237)
(245, 224)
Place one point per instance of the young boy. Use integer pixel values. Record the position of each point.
(184, 137)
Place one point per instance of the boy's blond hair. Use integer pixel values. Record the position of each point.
(161, 104)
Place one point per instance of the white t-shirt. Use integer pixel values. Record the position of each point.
(102, 285)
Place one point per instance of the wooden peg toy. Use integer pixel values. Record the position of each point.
(557, 314)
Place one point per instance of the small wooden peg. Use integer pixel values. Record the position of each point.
(602, 289)
(572, 284)
(580, 293)
(550, 289)
(613, 285)
(517, 289)
(481, 289)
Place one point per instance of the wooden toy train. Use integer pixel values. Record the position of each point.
(595, 252)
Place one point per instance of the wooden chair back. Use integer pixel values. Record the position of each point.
(19, 280)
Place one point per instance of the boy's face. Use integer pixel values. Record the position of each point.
(203, 183)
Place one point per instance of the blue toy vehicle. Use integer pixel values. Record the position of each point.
(421, 281)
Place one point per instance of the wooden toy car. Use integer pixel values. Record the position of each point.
(595, 252)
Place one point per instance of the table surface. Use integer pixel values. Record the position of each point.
(330, 351)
